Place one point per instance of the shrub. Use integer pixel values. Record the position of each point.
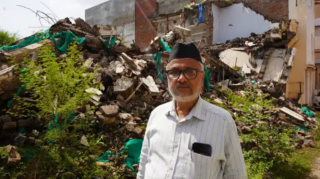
(6, 38)
(58, 87)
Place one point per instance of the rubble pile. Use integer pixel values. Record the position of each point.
(128, 78)
(131, 85)
(277, 37)
(255, 56)
(283, 113)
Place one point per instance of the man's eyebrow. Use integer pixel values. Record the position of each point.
(174, 68)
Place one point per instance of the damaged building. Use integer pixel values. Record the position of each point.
(276, 41)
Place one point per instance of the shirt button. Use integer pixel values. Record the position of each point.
(179, 124)
(170, 168)
(175, 145)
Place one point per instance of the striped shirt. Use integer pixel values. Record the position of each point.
(166, 151)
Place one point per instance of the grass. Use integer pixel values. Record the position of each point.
(300, 165)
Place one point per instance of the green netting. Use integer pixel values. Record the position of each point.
(307, 111)
(23, 71)
(66, 38)
(301, 128)
(165, 45)
(158, 56)
(207, 78)
(109, 43)
(158, 59)
(133, 148)
(31, 40)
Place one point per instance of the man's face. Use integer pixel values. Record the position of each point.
(182, 88)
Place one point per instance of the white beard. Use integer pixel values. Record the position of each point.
(189, 98)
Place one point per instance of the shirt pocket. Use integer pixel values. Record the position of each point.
(202, 165)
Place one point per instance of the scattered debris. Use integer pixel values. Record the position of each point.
(14, 156)
(84, 141)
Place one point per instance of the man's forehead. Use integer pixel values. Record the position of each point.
(183, 62)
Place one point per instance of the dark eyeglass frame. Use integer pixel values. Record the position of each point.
(182, 71)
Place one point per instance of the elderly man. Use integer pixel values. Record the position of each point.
(189, 137)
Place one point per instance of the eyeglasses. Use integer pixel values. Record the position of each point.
(189, 74)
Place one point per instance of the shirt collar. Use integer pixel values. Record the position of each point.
(196, 110)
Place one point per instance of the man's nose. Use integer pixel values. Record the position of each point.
(182, 78)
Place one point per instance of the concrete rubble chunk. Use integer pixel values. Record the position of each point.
(94, 91)
(96, 97)
(25, 123)
(88, 63)
(218, 100)
(130, 127)
(129, 61)
(308, 143)
(292, 114)
(124, 86)
(5, 118)
(14, 156)
(9, 125)
(94, 102)
(20, 139)
(110, 110)
(125, 116)
(138, 131)
(149, 82)
(105, 30)
(117, 67)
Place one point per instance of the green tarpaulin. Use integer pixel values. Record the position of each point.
(307, 111)
(66, 38)
(133, 148)
(31, 40)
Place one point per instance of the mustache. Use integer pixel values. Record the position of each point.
(182, 85)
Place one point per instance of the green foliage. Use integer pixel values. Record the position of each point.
(58, 87)
(3, 153)
(6, 38)
(236, 68)
(57, 84)
(66, 157)
(301, 163)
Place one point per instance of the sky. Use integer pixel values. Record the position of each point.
(25, 23)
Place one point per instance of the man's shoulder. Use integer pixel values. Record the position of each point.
(162, 108)
(218, 111)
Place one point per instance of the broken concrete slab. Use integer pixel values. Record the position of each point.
(234, 58)
(274, 68)
(88, 63)
(19, 54)
(93, 91)
(110, 110)
(151, 85)
(129, 61)
(105, 30)
(292, 114)
(124, 86)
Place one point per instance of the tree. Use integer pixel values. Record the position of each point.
(7, 38)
